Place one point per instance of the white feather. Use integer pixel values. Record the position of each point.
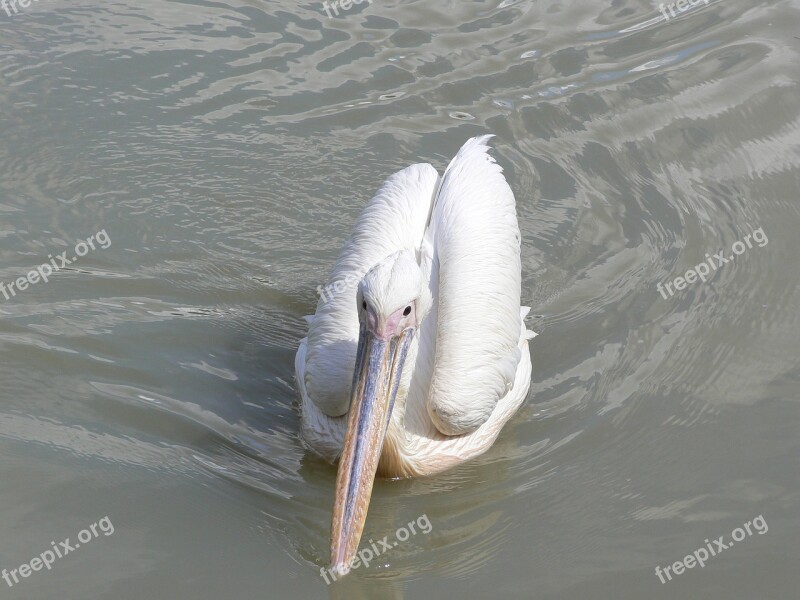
(394, 219)
(476, 242)
(469, 368)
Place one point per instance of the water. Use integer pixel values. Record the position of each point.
(226, 149)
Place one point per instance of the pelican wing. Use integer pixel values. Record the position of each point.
(394, 219)
(474, 239)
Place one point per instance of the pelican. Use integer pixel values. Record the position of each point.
(418, 353)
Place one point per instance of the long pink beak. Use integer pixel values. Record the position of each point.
(379, 365)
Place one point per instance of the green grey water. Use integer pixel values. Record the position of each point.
(226, 149)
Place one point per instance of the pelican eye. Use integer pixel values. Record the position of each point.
(407, 311)
(364, 305)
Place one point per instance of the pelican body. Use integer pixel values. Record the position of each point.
(418, 355)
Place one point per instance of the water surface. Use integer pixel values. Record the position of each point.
(226, 149)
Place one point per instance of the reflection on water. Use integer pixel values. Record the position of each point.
(227, 148)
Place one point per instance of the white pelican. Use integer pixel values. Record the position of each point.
(418, 354)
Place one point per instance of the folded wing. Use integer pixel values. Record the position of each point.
(393, 220)
(475, 243)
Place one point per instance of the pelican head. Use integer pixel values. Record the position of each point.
(393, 299)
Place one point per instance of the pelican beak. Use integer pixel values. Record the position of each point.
(379, 366)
